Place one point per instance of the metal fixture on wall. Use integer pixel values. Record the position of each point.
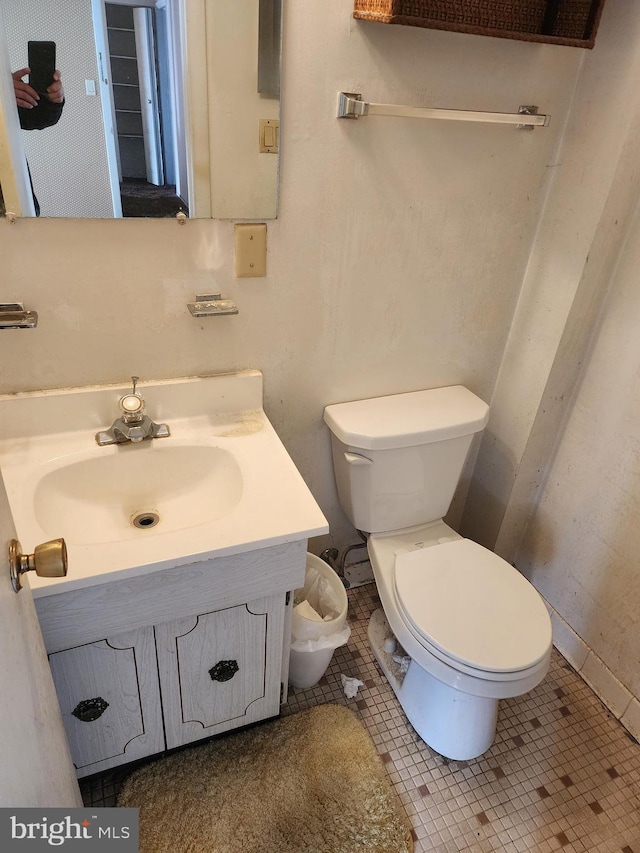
(14, 316)
(211, 305)
(351, 105)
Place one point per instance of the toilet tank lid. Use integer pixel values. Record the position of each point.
(404, 420)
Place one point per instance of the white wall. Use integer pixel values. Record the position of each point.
(395, 263)
(561, 451)
(592, 196)
(581, 548)
(232, 34)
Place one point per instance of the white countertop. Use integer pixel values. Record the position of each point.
(275, 505)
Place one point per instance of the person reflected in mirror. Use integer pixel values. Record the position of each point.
(35, 111)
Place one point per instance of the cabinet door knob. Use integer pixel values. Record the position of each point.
(90, 709)
(224, 670)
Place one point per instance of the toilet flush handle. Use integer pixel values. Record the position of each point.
(356, 459)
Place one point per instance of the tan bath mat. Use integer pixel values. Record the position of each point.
(309, 783)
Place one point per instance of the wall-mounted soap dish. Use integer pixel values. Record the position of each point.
(14, 316)
(211, 305)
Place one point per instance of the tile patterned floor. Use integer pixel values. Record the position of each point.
(562, 774)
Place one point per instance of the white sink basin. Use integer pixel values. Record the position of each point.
(222, 483)
(155, 485)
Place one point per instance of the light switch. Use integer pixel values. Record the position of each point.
(269, 135)
(251, 249)
(90, 88)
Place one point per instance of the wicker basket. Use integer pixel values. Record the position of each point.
(566, 22)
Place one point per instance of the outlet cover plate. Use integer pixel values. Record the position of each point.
(251, 249)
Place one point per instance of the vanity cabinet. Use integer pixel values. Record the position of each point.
(207, 651)
(109, 697)
(160, 635)
(220, 670)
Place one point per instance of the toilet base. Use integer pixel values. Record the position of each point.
(457, 725)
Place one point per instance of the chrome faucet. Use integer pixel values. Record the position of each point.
(133, 424)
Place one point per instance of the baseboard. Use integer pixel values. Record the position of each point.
(618, 698)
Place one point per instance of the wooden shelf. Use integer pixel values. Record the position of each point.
(572, 23)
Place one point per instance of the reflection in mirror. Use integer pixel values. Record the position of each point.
(170, 105)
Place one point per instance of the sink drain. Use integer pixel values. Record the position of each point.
(144, 520)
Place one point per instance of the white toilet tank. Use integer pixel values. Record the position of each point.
(398, 459)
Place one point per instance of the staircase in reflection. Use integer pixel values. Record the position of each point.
(142, 199)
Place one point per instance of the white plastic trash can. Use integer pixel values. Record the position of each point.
(318, 624)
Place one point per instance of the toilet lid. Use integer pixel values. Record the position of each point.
(473, 606)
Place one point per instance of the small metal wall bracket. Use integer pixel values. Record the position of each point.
(351, 105)
(14, 316)
(211, 305)
(527, 111)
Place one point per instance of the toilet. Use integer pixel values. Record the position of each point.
(460, 628)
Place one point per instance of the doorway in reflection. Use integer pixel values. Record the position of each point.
(223, 64)
(138, 44)
(82, 166)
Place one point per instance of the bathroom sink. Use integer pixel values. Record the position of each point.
(113, 495)
(221, 483)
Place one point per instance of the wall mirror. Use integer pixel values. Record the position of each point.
(170, 105)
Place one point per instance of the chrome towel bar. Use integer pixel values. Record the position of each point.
(351, 105)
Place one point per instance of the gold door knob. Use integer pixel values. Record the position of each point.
(49, 560)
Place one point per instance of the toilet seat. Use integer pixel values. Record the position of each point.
(472, 609)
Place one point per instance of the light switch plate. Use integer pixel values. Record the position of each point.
(251, 249)
(269, 135)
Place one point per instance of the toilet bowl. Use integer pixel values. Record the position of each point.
(459, 628)
(472, 639)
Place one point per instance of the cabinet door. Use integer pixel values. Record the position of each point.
(220, 670)
(110, 700)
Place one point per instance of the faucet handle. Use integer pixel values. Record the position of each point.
(132, 404)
